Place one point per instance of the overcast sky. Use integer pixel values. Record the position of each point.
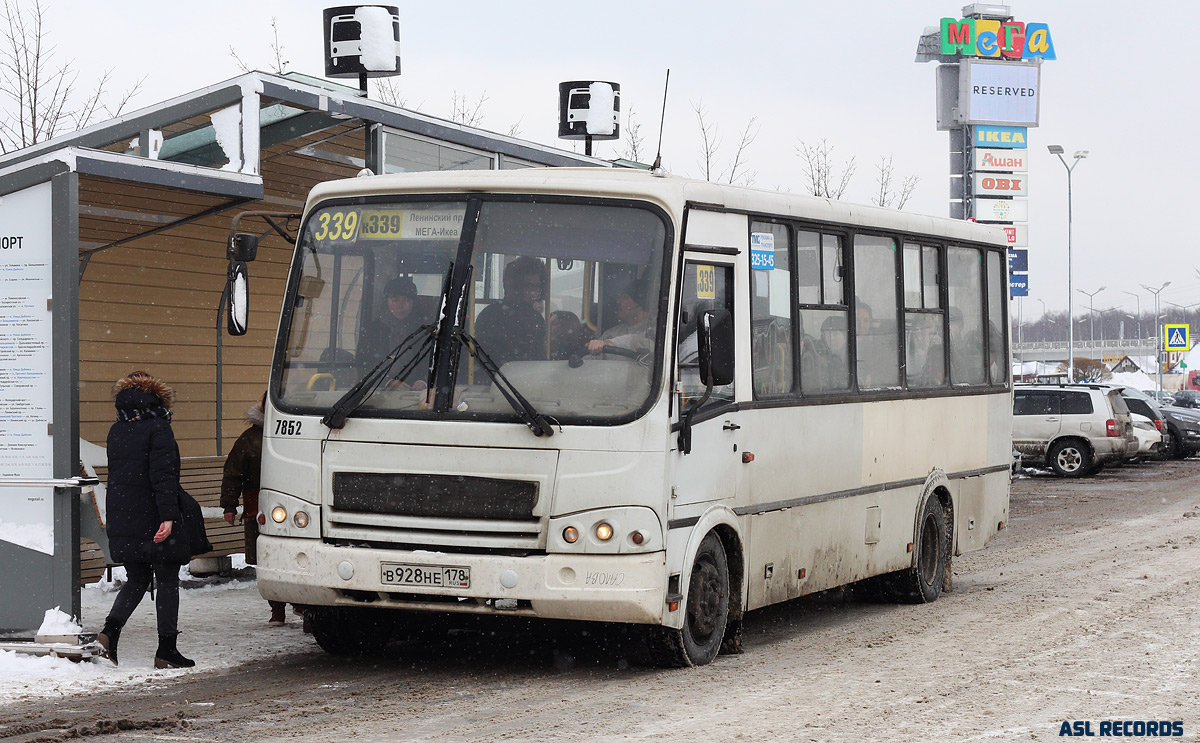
(808, 70)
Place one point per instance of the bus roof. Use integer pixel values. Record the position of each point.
(670, 191)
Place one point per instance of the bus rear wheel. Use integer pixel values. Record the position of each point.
(705, 615)
(922, 583)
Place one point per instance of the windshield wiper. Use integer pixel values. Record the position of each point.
(360, 392)
(538, 423)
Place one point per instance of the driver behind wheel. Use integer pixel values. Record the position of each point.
(634, 332)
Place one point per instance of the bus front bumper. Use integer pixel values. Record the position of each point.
(606, 588)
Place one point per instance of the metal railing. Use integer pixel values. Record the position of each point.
(49, 482)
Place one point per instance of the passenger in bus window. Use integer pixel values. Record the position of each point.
(836, 341)
(392, 327)
(864, 327)
(634, 331)
(966, 351)
(513, 328)
(567, 336)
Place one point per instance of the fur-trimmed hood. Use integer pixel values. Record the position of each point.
(142, 382)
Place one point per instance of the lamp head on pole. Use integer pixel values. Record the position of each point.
(1055, 149)
(1080, 154)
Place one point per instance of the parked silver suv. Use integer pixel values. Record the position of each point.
(1071, 428)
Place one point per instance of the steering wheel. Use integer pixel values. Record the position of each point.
(626, 352)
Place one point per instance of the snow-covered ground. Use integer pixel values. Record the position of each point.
(222, 624)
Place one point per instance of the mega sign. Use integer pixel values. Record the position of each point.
(975, 37)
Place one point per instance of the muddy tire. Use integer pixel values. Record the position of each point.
(922, 583)
(1070, 458)
(1176, 450)
(706, 613)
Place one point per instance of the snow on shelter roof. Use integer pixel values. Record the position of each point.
(285, 97)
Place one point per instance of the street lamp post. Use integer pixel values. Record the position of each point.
(1020, 336)
(1138, 298)
(1056, 149)
(1157, 330)
(1092, 319)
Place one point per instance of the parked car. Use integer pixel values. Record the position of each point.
(1183, 427)
(1148, 436)
(1160, 397)
(1187, 399)
(1073, 429)
(1141, 404)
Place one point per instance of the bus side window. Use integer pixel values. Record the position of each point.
(705, 286)
(823, 320)
(771, 309)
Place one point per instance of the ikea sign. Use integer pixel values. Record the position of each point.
(976, 37)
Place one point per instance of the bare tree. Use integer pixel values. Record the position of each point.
(633, 138)
(886, 196)
(820, 170)
(388, 91)
(710, 142)
(278, 63)
(466, 113)
(38, 100)
(738, 164)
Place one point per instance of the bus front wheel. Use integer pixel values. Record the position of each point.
(706, 612)
(347, 631)
(922, 583)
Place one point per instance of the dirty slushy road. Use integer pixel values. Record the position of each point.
(1084, 609)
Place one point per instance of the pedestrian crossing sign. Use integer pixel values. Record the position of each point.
(1176, 337)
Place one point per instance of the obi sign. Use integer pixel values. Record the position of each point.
(976, 37)
(1001, 184)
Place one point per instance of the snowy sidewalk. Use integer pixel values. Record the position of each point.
(222, 625)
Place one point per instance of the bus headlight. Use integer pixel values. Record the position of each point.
(283, 515)
(619, 530)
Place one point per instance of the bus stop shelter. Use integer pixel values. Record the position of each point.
(113, 258)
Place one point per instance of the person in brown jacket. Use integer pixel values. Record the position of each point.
(240, 482)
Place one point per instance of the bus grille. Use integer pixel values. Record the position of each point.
(451, 511)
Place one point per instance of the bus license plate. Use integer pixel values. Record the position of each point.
(436, 576)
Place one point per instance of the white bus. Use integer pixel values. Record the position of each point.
(793, 394)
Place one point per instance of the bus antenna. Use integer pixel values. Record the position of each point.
(658, 155)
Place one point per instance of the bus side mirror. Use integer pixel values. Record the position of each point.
(243, 247)
(715, 347)
(237, 288)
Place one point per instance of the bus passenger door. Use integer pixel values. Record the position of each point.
(710, 471)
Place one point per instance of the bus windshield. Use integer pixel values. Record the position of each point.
(564, 297)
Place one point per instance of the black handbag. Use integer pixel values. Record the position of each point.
(188, 535)
(191, 525)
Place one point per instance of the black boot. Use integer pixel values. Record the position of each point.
(108, 638)
(168, 655)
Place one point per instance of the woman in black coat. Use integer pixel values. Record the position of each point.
(143, 506)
